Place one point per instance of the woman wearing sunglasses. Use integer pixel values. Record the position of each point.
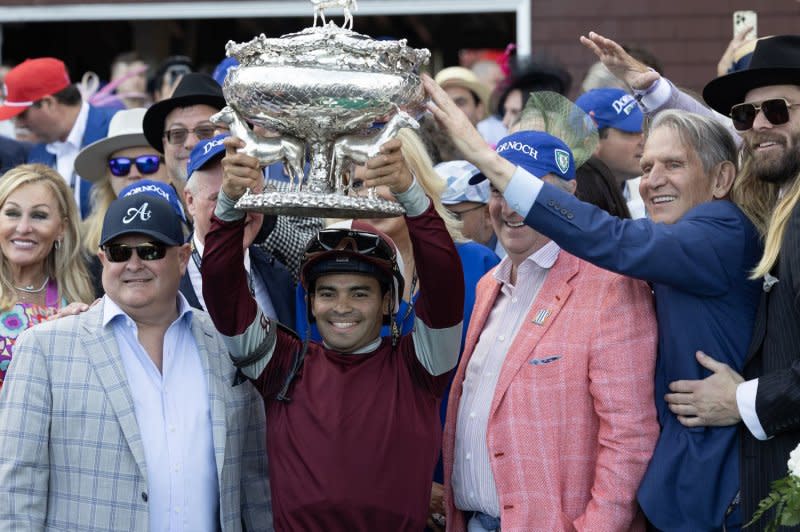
(111, 164)
(41, 264)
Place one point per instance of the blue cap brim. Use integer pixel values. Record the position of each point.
(477, 178)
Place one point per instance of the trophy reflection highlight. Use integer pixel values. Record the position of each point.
(322, 90)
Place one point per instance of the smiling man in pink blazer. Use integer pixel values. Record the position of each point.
(552, 420)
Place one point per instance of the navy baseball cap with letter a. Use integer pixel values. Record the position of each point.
(143, 214)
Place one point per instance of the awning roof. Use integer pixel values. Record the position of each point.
(62, 10)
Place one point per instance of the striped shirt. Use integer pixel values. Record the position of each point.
(473, 481)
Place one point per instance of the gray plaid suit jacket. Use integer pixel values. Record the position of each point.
(71, 454)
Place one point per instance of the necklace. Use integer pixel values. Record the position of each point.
(29, 289)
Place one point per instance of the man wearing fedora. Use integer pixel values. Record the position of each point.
(175, 125)
(763, 102)
(40, 97)
(124, 417)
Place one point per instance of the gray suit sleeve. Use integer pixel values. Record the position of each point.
(256, 499)
(25, 411)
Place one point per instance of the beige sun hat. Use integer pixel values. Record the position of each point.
(124, 131)
(465, 78)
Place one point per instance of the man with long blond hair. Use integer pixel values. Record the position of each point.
(762, 102)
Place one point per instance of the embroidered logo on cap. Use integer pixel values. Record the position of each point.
(144, 213)
(211, 145)
(516, 145)
(624, 104)
(562, 160)
(148, 188)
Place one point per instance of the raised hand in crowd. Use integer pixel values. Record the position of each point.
(729, 56)
(388, 168)
(243, 171)
(634, 73)
(465, 137)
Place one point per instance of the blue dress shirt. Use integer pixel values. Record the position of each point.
(174, 417)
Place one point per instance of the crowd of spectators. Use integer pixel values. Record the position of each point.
(587, 319)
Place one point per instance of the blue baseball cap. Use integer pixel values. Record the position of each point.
(145, 214)
(611, 107)
(205, 151)
(159, 190)
(458, 175)
(537, 152)
(221, 70)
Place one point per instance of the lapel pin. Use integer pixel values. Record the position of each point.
(541, 316)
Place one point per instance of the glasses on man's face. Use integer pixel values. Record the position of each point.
(146, 164)
(459, 215)
(775, 110)
(146, 251)
(178, 135)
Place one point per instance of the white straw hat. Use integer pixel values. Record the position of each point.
(124, 131)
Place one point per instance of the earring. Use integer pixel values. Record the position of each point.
(57, 245)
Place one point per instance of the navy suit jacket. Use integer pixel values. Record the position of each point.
(12, 153)
(96, 129)
(698, 268)
(274, 275)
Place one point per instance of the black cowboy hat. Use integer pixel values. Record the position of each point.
(775, 61)
(194, 89)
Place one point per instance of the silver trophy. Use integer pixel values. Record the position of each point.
(322, 90)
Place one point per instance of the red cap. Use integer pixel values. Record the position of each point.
(30, 81)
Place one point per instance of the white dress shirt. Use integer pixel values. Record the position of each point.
(473, 481)
(67, 151)
(173, 413)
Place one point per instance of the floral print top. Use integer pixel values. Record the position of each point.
(23, 316)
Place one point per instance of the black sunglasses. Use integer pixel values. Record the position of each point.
(775, 110)
(146, 251)
(361, 242)
(121, 166)
(179, 134)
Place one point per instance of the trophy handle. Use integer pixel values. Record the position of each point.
(268, 150)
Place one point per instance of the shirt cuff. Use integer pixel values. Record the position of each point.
(655, 96)
(225, 209)
(522, 191)
(746, 402)
(414, 200)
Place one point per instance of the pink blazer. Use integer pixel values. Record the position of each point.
(569, 440)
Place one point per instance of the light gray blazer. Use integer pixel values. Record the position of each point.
(71, 454)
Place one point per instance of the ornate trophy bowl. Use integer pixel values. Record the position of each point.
(323, 90)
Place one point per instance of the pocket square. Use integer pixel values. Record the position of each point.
(545, 360)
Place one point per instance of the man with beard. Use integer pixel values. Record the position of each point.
(762, 101)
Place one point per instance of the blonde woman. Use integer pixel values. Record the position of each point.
(41, 262)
